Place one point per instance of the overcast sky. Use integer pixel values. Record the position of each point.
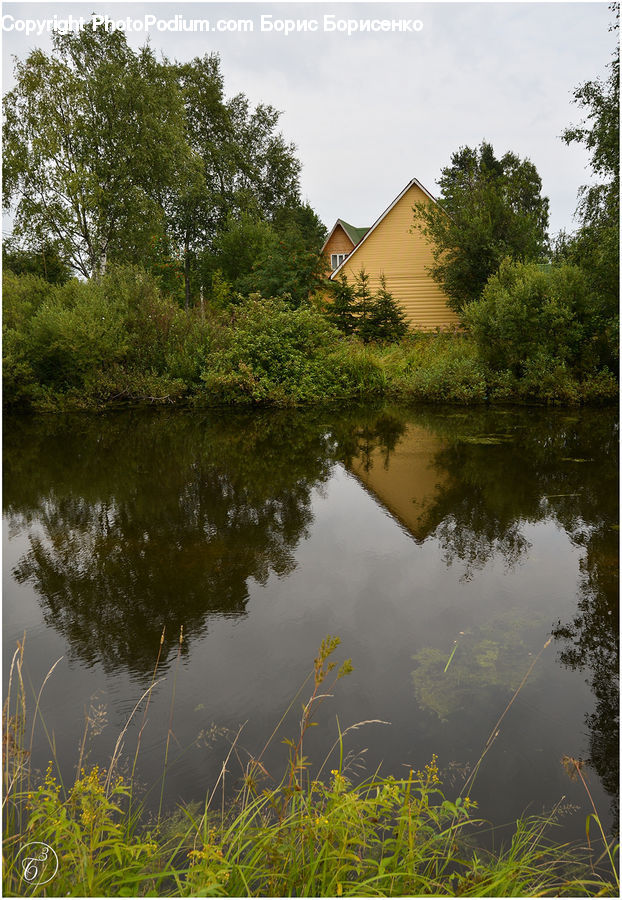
(370, 111)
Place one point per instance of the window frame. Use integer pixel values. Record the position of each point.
(340, 258)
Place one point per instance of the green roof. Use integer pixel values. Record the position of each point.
(355, 234)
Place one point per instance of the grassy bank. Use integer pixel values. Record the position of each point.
(119, 340)
(309, 835)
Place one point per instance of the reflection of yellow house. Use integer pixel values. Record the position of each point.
(408, 483)
(395, 248)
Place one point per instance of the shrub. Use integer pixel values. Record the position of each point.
(437, 368)
(362, 369)
(548, 379)
(527, 313)
(601, 387)
(161, 338)
(22, 295)
(74, 334)
(102, 340)
(271, 352)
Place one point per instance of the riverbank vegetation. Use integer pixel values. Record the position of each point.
(121, 339)
(315, 833)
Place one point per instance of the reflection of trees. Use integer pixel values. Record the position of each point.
(370, 430)
(140, 520)
(506, 470)
(145, 521)
(591, 642)
(555, 466)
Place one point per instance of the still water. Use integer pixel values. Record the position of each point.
(411, 534)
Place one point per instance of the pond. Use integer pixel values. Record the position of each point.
(443, 546)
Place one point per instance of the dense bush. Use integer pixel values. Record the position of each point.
(437, 368)
(272, 353)
(22, 295)
(98, 340)
(74, 335)
(120, 338)
(528, 314)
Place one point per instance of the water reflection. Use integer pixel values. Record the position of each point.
(475, 479)
(151, 521)
(140, 521)
(590, 644)
(135, 521)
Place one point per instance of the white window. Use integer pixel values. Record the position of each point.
(336, 259)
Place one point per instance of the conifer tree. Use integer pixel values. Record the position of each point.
(341, 311)
(364, 305)
(386, 321)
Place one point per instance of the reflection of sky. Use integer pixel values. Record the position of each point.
(370, 111)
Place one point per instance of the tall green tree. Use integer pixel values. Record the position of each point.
(198, 204)
(489, 209)
(291, 264)
(93, 144)
(596, 245)
(242, 169)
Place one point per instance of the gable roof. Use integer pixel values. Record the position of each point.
(355, 234)
(413, 182)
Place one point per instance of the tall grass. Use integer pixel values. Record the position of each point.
(308, 835)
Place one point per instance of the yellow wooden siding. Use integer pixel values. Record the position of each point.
(403, 256)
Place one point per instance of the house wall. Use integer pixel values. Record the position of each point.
(403, 257)
(339, 242)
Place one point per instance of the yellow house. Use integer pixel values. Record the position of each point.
(341, 242)
(393, 247)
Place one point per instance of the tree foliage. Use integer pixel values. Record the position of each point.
(341, 307)
(242, 167)
(92, 146)
(596, 245)
(530, 314)
(44, 260)
(489, 209)
(115, 156)
(599, 132)
(276, 258)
